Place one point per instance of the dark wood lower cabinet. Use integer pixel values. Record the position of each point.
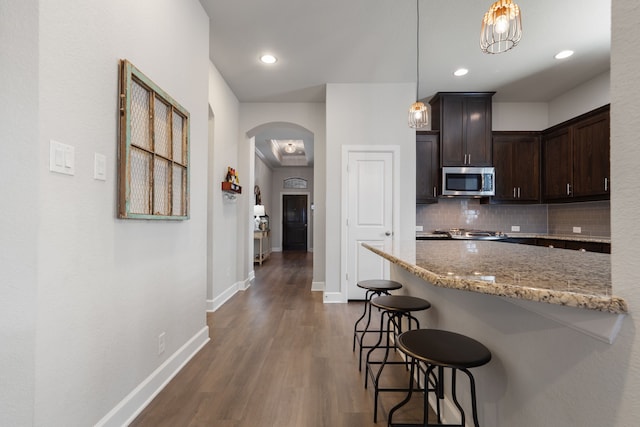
(562, 244)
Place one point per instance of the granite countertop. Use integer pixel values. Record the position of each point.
(554, 276)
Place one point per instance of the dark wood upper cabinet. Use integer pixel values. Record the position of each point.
(464, 122)
(591, 161)
(516, 158)
(576, 158)
(558, 164)
(427, 166)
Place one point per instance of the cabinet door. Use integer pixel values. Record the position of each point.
(477, 130)
(503, 163)
(453, 149)
(516, 158)
(427, 167)
(526, 163)
(557, 160)
(591, 156)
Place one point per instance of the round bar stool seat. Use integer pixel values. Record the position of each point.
(379, 285)
(374, 287)
(396, 308)
(404, 303)
(441, 349)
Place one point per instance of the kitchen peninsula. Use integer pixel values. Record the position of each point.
(547, 275)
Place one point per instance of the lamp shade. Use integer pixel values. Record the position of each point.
(501, 27)
(258, 210)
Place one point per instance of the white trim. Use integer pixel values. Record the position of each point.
(346, 150)
(131, 406)
(317, 286)
(334, 297)
(216, 303)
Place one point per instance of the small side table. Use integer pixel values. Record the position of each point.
(264, 250)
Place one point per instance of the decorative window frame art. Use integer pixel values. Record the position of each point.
(153, 152)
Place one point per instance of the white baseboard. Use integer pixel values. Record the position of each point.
(334, 297)
(317, 286)
(131, 406)
(216, 303)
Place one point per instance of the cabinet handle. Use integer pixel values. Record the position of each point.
(469, 159)
(606, 184)
(514, 192)
(435, 191)
(465, 160)
(518, 192)
(568, 189)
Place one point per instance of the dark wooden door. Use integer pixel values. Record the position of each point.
(591, 156)
(477, 117)
(294, 222)
(516, 157)
(453, 146)
(558, 168)
(526, 168)
(427, 166)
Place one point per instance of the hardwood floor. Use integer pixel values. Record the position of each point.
(278, 356)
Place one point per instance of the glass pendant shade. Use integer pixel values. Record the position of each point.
(418, 115)
(501, 27)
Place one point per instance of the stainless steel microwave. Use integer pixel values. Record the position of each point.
(468, 181)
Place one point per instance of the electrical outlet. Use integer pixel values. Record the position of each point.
(419, 228)
(515, 228)
(577, 229)
(161, 343)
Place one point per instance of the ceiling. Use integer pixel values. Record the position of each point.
(374, 41)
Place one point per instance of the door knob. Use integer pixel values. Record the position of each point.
(387, 233)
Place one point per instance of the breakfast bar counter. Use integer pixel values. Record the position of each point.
(541, 274)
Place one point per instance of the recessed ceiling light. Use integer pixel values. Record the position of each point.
(460, 72)
(564, 54)
(268, 59)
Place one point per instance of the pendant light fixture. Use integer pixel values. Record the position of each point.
(418, 112)
(501, 27)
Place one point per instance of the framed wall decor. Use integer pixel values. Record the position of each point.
(153, 151)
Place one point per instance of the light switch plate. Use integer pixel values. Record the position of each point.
(419, 228)
(100, 167)
(577, 229)
(61, 158)
(515, 228)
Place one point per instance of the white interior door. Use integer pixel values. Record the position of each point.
(369, 216)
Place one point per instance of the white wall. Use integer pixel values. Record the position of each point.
(532, 116)
(90, 293)
(310, 116)
(366, 114)
(536, 116)
(19, 195)
(625, 158)
(226, 276)
(584, 98)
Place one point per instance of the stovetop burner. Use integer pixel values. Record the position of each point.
(468, 234)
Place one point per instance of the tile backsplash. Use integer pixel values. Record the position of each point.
(592, 217)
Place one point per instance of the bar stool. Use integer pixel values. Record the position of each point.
(396, 308)
(374, 288)
(441, 349)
